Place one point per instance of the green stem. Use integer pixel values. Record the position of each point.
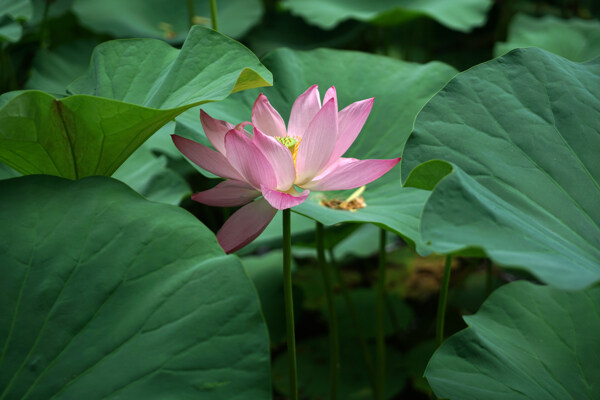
(8, 80)
(334, 347)
(354, 320)
(379, 319)
(44, 26)
(441, 312)
(213, 15)
(289, 303)
(191, 12)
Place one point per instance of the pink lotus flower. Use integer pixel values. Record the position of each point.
(274, 162)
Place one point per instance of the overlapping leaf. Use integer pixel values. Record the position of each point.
(132, 89)
(163, 19)
(526, 342)
(461, 15)
(107, 295)
(53, 70)
(521, 133)
(400, 90)
(575, 39)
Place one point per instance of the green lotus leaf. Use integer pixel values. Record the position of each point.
(400, 90)
(521, 133)
(7, 172)
(12, 13)
(150, 176)
(526, 342)
(10, 31)
(460, 15)
(132, 89)
(53, 70)
(163, 19)
(575, 39)
(107, 295)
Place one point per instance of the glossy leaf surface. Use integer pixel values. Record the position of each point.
(521, 134)
(526, 342)
(461, 15)
(107, 295)
(575, 39)
(132, 89)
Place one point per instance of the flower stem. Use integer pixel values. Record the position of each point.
(334, 347)
(191, 12)
(379, 318)
(354, 320)
(441, 312)
(44, 26)
(213, 15)
(289, 303)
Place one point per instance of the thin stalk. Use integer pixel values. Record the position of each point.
(334, 346)
(7, 71)
(213, 15)
(44, 26)
(354, 320)
(191, 12)
(289, 303)
(441, 312)
(379, 319)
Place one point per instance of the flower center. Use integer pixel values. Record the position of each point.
(291, 142)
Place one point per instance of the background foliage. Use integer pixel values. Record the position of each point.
(119, 293)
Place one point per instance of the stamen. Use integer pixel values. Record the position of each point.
(352, 203)
(291, 142)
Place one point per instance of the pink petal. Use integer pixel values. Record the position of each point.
(206, 158)
(351, 173)
(331, 94)
(333, 166)
(317, 144)
(281, 200)
(215, 130)
(280, 158)
(303, 111)
(266, 118)
(245, 225)
(248, 160)
(230, 193)
(351, 120)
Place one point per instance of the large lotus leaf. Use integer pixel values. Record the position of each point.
(522, 134)
(144, 171)
(166, 20)
(461, 15)
(107, 295)
(526, 342)
(53, 70)
(575, 39)
(149, 175)
(400, 90)
(7, 172)
(132, 89)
